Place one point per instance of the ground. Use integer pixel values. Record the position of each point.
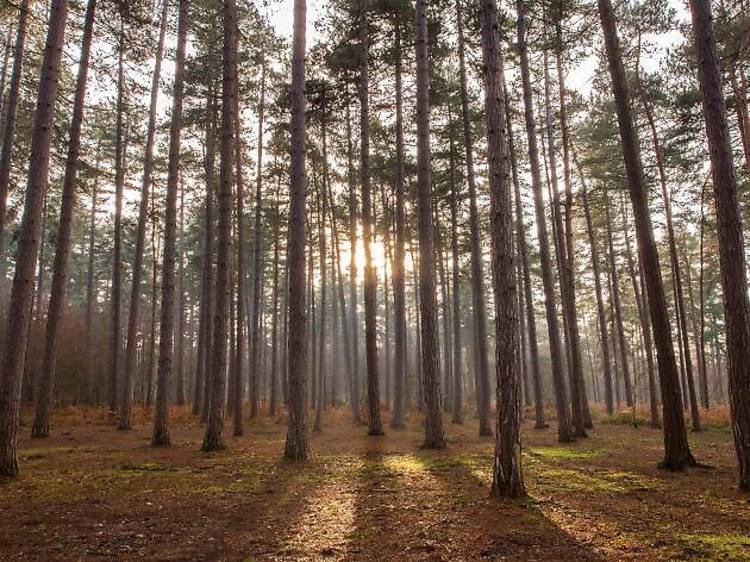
(90, 492)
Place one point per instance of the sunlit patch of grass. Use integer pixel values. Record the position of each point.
(556, 479)
(403, 464)
(562, 453)
(710, 547)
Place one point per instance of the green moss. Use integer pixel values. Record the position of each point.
(710, 547)
(557, 479)
(562, 453)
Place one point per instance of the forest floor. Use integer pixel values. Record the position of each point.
(90, 492)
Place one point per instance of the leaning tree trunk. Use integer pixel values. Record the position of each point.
(62, 251)
(19, 310)
(677, 454)
(477, 273)
(564, 429)
(11, 112)
(434, 437)
(507, 479)
(214, 436)
(297, 446)
(169, 257)
(375, 426)
(731, 243)
(126, 399)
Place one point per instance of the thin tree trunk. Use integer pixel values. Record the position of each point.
(353, 265)
(477, 273)
(19, 310)
(214, 436)
(90, 289)
(160, 435)
(398, 273)
(126, 399)
(11, 113)
(564, 429)
(375, 426)
(677, 452)
(456, 275)
(40, 427)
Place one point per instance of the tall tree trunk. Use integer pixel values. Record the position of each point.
(374, 425)
(126, 399)
(275, 309)
(601, 314)
(214, 436)
(567, 285)
(564, 430)
(239, 357)
(115, 344)
(257, 252)
(90, 288)
(11, 113)
(160, 435)
(322, 250)
(477, 273)
(434, 437)
(456, 279)
(731, 244)
(677, 452)
(19, 310)
(523, 253)
(181, 304)
(507, 479)
(573, 328)
(398, 276)
(297, 446)
(40, 427)
(353, 265)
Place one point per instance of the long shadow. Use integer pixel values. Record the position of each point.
(495, 528)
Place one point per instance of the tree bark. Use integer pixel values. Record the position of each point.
(731, 243)
(507, 478)
(375, 426)
(297, 446)
(477, 273)
(19, 310)
(434, 437)
(160, 435)
(40, 427)
(564, 430)
(214, 436)
(126, 399)
(11, 113)
(677, 454)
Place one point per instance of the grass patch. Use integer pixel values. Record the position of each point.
(562, 453)
(710, 547)
(552, 480)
